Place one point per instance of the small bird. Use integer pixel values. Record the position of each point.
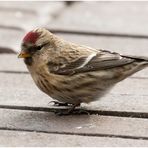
(71, 73)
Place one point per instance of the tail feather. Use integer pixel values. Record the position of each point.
(139, 63)
(137, 58)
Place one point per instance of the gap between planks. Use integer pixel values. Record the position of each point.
(88, 112)
(91, 33)
(76, 134)
(77, 32)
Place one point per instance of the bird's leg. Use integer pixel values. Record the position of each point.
(80, 111)
(73, 107)
(73, 111)
(67, 112)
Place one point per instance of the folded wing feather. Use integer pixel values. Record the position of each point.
(100, 61)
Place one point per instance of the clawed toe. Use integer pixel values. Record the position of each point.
(82, 111)
(69, 111)
(62, 113)
(72, 111)
(56, 103)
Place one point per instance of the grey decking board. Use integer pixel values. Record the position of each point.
(10, 38)
(17, 138)
(22, 17)
(28, 15)
(33, 6)
(9, 62)
(79, 125)
(105, 17)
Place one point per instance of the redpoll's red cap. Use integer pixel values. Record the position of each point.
(31, 37)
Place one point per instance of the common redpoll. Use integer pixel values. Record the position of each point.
(72, 73)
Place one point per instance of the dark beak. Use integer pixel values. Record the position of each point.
(24, 55)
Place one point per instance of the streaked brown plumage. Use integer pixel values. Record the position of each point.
(72, 73)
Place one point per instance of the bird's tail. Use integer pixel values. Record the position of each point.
(139, 63)
(137, 58)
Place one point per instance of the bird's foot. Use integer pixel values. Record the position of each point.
(81, 111)
(69, 112)
(63, 112)
(56, 103)
(66, 112)
(72, 111)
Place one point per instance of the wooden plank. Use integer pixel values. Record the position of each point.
(17, 138)
(27, 15)
(10, 38)
(94, 125)
(27, 6)
(121, 103)
(19, 89)
(105, 17)
(21, 18)
(11, 62)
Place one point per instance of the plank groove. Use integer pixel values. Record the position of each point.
(87, 33)
(89, 110)
(76, 134)
(42, 139)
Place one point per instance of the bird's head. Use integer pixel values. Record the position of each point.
(34, 42)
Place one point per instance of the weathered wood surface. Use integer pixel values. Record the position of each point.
(118, 119)
(105, 17)
(46, 139)
(11, 62)
(19, 17)
(36, 13)
(133, 128)
(10, 39)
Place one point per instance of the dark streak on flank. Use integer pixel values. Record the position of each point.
(91, 76)
(44, 78)
(44, 85)
(85, 84)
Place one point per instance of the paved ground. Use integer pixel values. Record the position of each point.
(118, 119)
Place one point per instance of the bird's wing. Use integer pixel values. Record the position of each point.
(100, 60)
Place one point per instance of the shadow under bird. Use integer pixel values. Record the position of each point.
(71, 73)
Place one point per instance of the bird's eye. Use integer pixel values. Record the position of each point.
(39, 47)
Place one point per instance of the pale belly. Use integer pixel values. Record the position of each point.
(73, 89)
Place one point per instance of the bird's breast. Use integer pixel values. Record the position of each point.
(45, 81)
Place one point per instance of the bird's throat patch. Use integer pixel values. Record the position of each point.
(28, 61)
